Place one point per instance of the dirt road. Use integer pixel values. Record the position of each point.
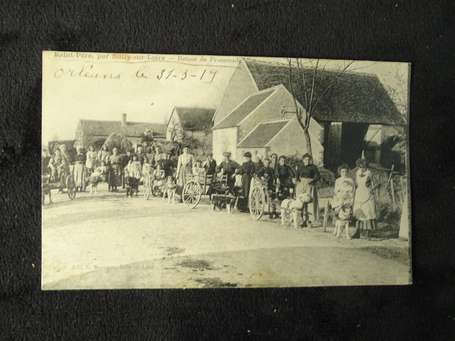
(109, 241)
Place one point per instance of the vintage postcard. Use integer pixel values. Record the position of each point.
(186, 171)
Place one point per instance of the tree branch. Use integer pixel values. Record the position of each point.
(302, 76)
(312, 87)
(297, 109)
(331, 84)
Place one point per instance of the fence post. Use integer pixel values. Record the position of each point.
(392, 191)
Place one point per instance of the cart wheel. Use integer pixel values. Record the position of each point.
(256, 202)
(192, 193)
(70, 187)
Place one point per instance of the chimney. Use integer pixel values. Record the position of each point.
(123, 120)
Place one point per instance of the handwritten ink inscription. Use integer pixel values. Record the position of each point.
(90, 71)
(86, 71)
(206, 76)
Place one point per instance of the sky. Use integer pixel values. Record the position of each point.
(103, 86)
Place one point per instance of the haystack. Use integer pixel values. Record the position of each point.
(119, 141)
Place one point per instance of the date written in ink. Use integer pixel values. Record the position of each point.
(204, 75)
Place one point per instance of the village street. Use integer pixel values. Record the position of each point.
(108, 241)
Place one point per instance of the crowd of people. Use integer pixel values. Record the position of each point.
(146, 164)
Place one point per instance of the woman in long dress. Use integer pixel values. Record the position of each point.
(247, 170)
(115, 170)
(344, 188)
(343, 192)
(79, 170)
(284, 176)
(103, 155)
(147, 172)
(364, 202)
(184, 168)
(307, 175)
(90, 163)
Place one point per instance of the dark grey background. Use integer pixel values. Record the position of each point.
(419, 32)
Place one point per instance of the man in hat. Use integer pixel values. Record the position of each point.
(228, 167)
(210, 165)
(307, 175)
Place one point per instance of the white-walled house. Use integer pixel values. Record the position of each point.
(270, 112)
(283, 137)
(352, 103)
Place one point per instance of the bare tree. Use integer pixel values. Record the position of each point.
(312, 91)
(398, 92)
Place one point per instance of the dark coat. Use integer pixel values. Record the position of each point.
(247, 170)
(269, 174)
(308, 172)
(210, 166)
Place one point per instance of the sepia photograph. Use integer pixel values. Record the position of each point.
(204, 171)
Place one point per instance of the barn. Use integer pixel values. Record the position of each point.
(348, 104)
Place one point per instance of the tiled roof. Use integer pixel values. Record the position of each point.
(132, 129)
(241, 111)
(196, 118)
(262, 134)
(352, 97)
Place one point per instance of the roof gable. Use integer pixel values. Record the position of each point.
(262, 134)
(353, 97)
(244, 108)
(195, 118)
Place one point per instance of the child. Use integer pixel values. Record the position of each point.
(147, 172)
(54, 165)
(343, 193)
(170, 190)
(133, 171)
(158, 180)
(96, 177)
(238, 185)
(343, 218)
(199, 171)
